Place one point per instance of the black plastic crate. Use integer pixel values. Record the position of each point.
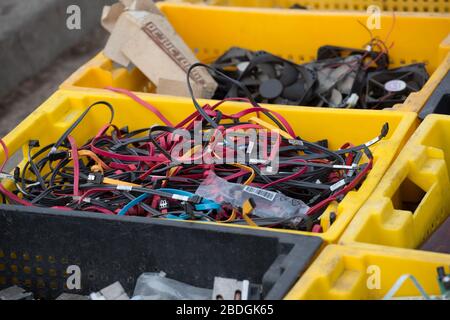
(38, 245)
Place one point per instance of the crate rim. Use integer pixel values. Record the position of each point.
(285, 11)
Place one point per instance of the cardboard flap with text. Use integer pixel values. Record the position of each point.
(141, 35)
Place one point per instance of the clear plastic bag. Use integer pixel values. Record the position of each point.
(155, 286)
(269, 204)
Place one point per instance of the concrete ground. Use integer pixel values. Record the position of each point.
(31, 93)
(40, 49)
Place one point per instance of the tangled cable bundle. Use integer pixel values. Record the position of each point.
(138, 173)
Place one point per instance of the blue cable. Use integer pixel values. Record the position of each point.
(133, 203)
(206, 204)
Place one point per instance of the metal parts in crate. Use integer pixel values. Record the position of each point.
(114, 291)
(15, 293)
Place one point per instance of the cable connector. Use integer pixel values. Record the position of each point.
(384, 132)
(58, 155)
(95, 178)
(33, 144)
(196, 199)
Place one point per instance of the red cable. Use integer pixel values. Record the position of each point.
(348, 188)
(290, 177)
(143, 103)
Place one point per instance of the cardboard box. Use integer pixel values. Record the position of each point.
(141, 35)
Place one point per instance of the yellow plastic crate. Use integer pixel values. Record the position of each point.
(413, 197)
(51, 119)
(344, 273)
(294, 35)
(386, 5)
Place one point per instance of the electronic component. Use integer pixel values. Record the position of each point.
(270, 79)
(340, 77)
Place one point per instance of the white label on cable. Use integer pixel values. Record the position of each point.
(124, 188)
(337, 185)
(268, 195)
(296, 142)
(338, 166)
(257, 161)
(78, 198)
(180, 197)
(251, 144)
(371, 142)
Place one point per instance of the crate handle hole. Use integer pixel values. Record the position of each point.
(408, 196)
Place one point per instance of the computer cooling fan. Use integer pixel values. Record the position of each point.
(271, 79)
(386, 88)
